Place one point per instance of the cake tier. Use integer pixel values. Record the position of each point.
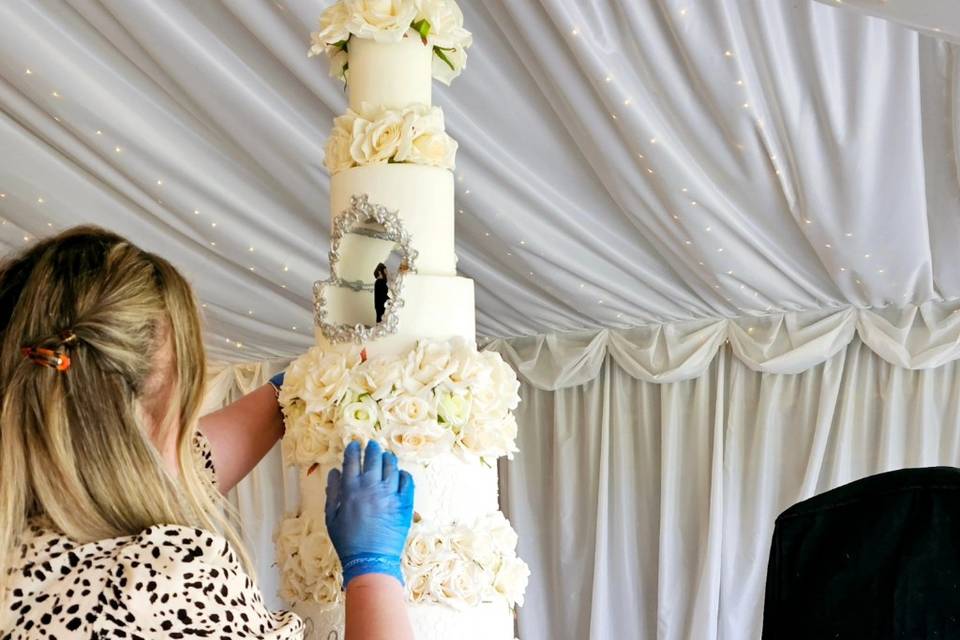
(424, 199)
(435, 307)
(489, 621)
(393, 75)
(438, 498)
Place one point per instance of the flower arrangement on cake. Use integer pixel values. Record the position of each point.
(441, 397)
(378, 135)
(456, 565)
(438, 23)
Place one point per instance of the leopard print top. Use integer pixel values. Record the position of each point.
(165, 582)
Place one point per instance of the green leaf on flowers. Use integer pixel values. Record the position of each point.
(484, 462)
(439, 51)
(423, 28)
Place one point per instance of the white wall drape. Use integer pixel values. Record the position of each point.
(646, 510)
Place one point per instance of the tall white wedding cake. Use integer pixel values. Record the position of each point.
(414, 379)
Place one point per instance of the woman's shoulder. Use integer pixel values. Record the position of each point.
(164, 581)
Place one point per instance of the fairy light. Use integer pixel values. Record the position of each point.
(575, 32)
(40, 201)
(160, 183)
(627, 102)
(99, 132)
(286, 268)
(196, 212)
(728, 53)
(29, 72)
(118, 149)
(55, 94)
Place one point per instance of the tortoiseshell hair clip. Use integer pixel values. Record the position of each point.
(57, 359)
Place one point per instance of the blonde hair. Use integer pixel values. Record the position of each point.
(74, 450)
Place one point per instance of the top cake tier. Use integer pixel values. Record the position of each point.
(392, 75)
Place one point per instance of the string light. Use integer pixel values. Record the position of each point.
(55, 94)
(627, 102)
(294, 328)
(739, 83)
(213, 224)
(160, 183)
(117, 149)
(286, 268)
(653, 141)
(683, 12)
(575, 31)
(196, 212)
(608, 79)
(728, 53)
(252, 249)
(40, 200)
(29, 72)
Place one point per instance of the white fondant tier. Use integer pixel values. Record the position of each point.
(393, 75)
(435, 307)
(447, 490)
(430, 622)
(424, 199)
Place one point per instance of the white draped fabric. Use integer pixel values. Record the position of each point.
(646, 510)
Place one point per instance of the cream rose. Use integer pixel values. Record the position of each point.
(376, 140)
(427, 366)
(379, 377)
(338, 152)
(446, 23)
(453, 409)
(462, 585)
(511, 581)
(311, 444)
(361, 416)
(418, 442)
(408, 410)
(380, 20)
(443, 72)
(490, 439)
(334, 27)
(425, 142)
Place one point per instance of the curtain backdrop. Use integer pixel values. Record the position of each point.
(646, 510)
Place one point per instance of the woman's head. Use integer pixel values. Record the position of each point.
(82, 448)
(380, 272)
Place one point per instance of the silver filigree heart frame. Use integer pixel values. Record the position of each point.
(360, 212)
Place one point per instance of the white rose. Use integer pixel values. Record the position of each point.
(446, 23)
(462, 586)
(476, 546)
(505, 380)
(423, 441)
(427, 366)
(314, 442)
(424, 141)
(421, 548)
(511, 581)
(361, 416)
(497, 528)
(338, 156)
(408, 410)
(379, 377)
(418, 586)
(339, 59)
(376, 141)
(490, 439)
(334, 28)
(453, 409)
(380, 20)
(443, 72)
(327, 381)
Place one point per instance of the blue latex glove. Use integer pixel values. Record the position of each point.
(369, 512)
(277, 380)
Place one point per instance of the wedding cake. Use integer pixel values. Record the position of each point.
(407, 374)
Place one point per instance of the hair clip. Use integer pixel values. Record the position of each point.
(56, 359)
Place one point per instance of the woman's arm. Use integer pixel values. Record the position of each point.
(377, 609)
(242, 433)
(369, 511)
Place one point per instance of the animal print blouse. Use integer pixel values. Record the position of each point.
(164, 582)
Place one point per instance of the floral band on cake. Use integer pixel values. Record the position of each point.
(377, 135)
(456, 565)
(438, 23)
(441, 397)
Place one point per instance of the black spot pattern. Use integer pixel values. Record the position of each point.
(165, 582)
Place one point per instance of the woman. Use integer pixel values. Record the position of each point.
(109, 525)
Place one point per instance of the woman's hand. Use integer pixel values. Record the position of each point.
(369, 512)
